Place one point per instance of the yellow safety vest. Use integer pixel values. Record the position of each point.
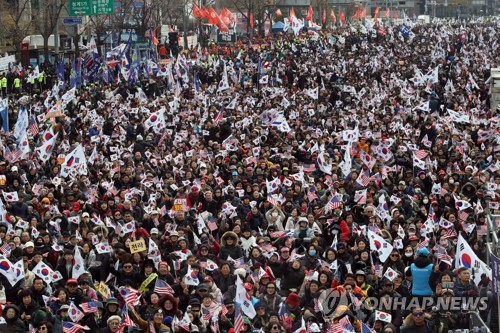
(17, 82)
(3, 82)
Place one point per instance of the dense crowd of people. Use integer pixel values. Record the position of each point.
(238, 188)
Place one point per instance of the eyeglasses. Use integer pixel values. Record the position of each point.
(388, 285)
(43, 328)
(418, 314)
(127, 266)
(275, 328)
(394, 255)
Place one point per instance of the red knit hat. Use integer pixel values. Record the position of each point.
(293, 299)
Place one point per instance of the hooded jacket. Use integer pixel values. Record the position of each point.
(234, 251)
(422, 272)
(14, 325)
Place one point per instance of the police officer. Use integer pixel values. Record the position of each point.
(3, 85)
(17, 85)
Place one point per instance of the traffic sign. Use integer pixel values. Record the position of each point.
(91, 7)
(72, 20)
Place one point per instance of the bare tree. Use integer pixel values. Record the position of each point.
(123, 18)
(17, 22)
(259, 10)
(99, 26)
(171, 11)
(45, 20)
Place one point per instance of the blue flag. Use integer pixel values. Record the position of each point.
(196, 82)
(405, 31)
(4, 111)
(78, 73)
(135, 66)
(72, 75)
(60, 70)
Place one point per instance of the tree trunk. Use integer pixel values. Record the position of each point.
(46, 48)
(76, 41)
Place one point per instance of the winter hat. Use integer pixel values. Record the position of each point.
(293, 299)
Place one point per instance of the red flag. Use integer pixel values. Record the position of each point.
(357, 14)
(323, 18)
(310, 13)
(375, 14)
(291, 15)
(278, 12)
(197, 12)
(153, 37)
(342, 18)
(212, 17)
(332, 16)
(395, 15)
(363, 13)
(387, 13)
(250, 20)
(224, 17)
(229, 15)
(204, 12)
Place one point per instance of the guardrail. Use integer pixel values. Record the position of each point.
(492, 243)
(492, 247)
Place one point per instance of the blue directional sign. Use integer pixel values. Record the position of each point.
(72, 20)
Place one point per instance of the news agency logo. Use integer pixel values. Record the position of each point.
(333, 302)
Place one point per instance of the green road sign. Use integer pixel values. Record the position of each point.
(91, 7)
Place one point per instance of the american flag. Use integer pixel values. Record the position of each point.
(131, 296)
(450, 233)
(334, 203)
(69, 327)
(224, 310)
(33, 126)
(152, 327)
(317, 307)
(162, 287)
(126, 320)
(309, 168)
(272, 200)
(311, 193)
(5, 248)
(285, 317)
(218, 117)
(211, 224)
(366, 329)
(89, 307)
(423, 243)
(278, 234)
(335, 328)
(421, 154)
(443, 255)
(238, 320)
(346, 324)
(363, 178)
(206, 314)
(462, 215)
(356, 301)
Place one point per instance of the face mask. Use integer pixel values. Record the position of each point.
(312, 253)
(411, 233)
(425, 201)
(408, 254)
